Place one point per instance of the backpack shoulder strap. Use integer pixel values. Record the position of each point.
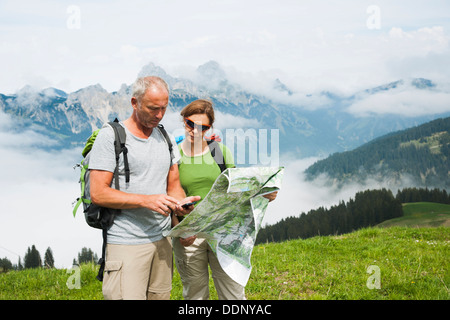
(169, 142)
(119, 145)
(217, 154)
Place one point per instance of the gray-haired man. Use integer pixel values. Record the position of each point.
(138, 257)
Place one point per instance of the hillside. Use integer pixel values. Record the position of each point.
(420, 154)
(421, 214)
(410, 264)
(367, 209)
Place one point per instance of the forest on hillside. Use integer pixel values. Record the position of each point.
(368, 208)
(421, 153)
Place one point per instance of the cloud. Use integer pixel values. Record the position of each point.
(225, 121)
(404, 100)
(433, 65)
(39, 211)
(322, 61)
(423, 40)
(299, 195)
(319, 45)
(37, 193)
(12, 137)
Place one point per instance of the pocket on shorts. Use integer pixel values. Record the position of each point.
(112, 280)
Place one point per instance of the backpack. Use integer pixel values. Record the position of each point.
(217, 154)
(101, 217)
(96, 216)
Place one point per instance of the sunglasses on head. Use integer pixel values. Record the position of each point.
(191, 124)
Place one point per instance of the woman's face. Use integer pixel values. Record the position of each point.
(196, 134)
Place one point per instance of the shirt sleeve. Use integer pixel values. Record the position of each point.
(175, 151)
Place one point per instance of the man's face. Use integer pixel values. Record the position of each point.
(151, 108)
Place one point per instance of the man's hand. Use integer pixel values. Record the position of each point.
(160, 203)
(180, 211)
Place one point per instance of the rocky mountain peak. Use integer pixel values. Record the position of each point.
(211, 70)
(152, 69)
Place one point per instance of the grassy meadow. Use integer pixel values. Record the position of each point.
(396, 262)
(422, 214)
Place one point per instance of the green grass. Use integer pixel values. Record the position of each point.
(51, 284)
(432, 142)
(421, 214)
(413, 264)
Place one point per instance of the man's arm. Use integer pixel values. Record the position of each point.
(103, 195)
(174, 187)
(175, 190)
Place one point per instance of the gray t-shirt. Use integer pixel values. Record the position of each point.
(149, 162)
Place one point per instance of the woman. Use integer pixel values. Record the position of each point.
(198, 171)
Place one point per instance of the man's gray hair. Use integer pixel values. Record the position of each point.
(142, 84)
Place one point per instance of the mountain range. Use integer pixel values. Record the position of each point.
(304, 131)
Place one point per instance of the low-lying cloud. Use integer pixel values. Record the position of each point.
(407, 101)
(299, 195)
(37, 193)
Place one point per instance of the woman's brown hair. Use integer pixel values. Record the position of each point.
(199, 107)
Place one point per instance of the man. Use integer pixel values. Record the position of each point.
(138, 258)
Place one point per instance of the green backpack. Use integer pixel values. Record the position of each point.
(96, 216)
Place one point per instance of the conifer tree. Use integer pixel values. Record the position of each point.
(5, 265)
(32, 258)
(49, 262)
(87, 255)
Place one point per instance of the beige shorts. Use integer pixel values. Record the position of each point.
(138, 272)
(192, 265)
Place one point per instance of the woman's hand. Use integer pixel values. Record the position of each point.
(271, 196)
(187, 241)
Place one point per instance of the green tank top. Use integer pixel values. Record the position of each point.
(198, 173)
